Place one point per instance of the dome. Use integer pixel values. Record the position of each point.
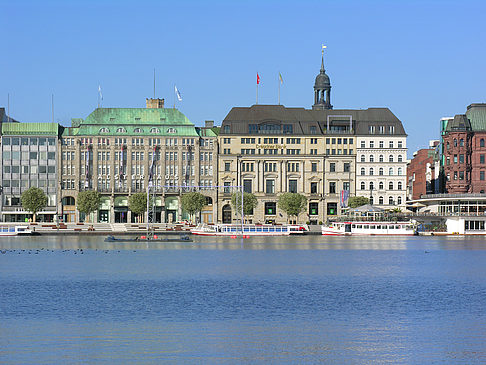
(322, 81)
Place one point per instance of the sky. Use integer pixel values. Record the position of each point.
(422, 59)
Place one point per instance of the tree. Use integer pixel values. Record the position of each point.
(193, 203)
(88, 202)
(357, 201)
(249, 203)
(292, 203)
(33, 200)
(137, 203)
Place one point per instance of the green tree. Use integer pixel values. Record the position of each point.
(33, 200)
(88, 202)
(137, 203)
(193, 203)
(357, 201)
(250, 202)
(292, 203)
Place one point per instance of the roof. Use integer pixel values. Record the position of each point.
(16, 129)
(367, 208)
(132, 122)
(476, 113)
(458, 123)
(302, 119)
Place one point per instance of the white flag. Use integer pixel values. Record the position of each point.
(99, 90)
(179, 97)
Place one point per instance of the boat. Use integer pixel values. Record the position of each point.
(15, 231)
(367, 228)
(248, 230)
(181, 238)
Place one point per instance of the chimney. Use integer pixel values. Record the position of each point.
(155, 103)
(209, 123)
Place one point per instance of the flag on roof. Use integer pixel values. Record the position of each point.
(179, 97)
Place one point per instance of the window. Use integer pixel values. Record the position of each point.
(390, 158)
(390, 201)
(461, 142)
(313, 188)
(313, 208)
(332, 187)
(382, 144)
(399, 158)
(390, 171)
(363, 158)
(347, 167)
(363, 171)
(138, 130)
(227, 166)
(380, 185)
(332, 167)
(154, 130)
(390, 185)
(331, 208)
(481, 175)
(363, 186)
(390, 144)
(292, 186)
(270, 208)
(121, 130)
(226, 188)
(481, 143)
(448, 161)
(380, 159)
(372, 186)
(372, 144)
(399, 185)
(399, 172)
(372, 158)
(481, 159)
(270, 186)
(371, 171)
(399, 144)
(247, 186)
(314, 167)
(380, 171)
(455, 142)
(363, 144)
(461, 175)
(461, 158)
(399, 200)
(313, 130)
(380, 200)
(455, 158)
(346, 185)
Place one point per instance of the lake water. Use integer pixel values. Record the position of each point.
(312, 299)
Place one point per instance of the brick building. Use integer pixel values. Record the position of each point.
(423, 172)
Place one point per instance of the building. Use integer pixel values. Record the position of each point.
(423, 172)
(29, 159)
(464, 151)
(121, 151)
(271, 149)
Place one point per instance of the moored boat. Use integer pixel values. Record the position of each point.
(181, 238)
(248, 230)
(15, 231)
(365, 228)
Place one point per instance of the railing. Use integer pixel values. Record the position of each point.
(453, 196)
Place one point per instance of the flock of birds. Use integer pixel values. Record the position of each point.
(76, 251)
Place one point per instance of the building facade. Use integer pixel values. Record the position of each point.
(29, 159)
(121, 151)
(423, 172)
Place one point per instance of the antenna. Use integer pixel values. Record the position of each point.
(154, 82)
(52, 106)
(8, 107)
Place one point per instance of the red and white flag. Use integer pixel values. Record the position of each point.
(258, 79)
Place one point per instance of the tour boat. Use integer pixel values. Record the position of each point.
(368, 228)
(15, 230)
(248, 230)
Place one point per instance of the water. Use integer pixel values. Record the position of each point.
(313, 299)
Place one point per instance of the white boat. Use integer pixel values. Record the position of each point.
(248, 230)
(369, 228)
(15, 230)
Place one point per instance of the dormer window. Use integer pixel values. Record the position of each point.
(137, 119)
(104, 130)
(121, 130)
(155, 130)
(171, 130)
(138, 130)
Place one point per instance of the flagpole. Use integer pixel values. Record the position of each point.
(52, 105)
(278, 81)
(154, 82)
(174, 94)
(258, 81)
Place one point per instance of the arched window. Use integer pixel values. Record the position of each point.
(138, 130)
(121, 130)
(390, 171)
(363, 185)
(371, 171)
(104, 130)
(380, 171)
(399, 200)
(363, 171)
(371, 185)
(363, 158)
(461, 142)
(399, 158)
(381, 158)
(455, 142)
(390, 158)
(399, 187)
(372, 158)
(448, 145)
(371, 200)
(154, 130)
(390, 201)
(380, 200)
(171, 130)
(399, 171)
(380, 185)
(390, 185)
(481, 142)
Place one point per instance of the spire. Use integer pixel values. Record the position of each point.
(322, 60)
(322, 88)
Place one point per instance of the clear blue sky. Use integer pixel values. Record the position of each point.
(422, 59)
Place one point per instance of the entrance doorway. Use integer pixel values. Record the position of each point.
(103, 216)
(121, 216)
(227, 214)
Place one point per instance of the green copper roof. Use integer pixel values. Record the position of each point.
(133, 122)
(16, 129)
(476, 113)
